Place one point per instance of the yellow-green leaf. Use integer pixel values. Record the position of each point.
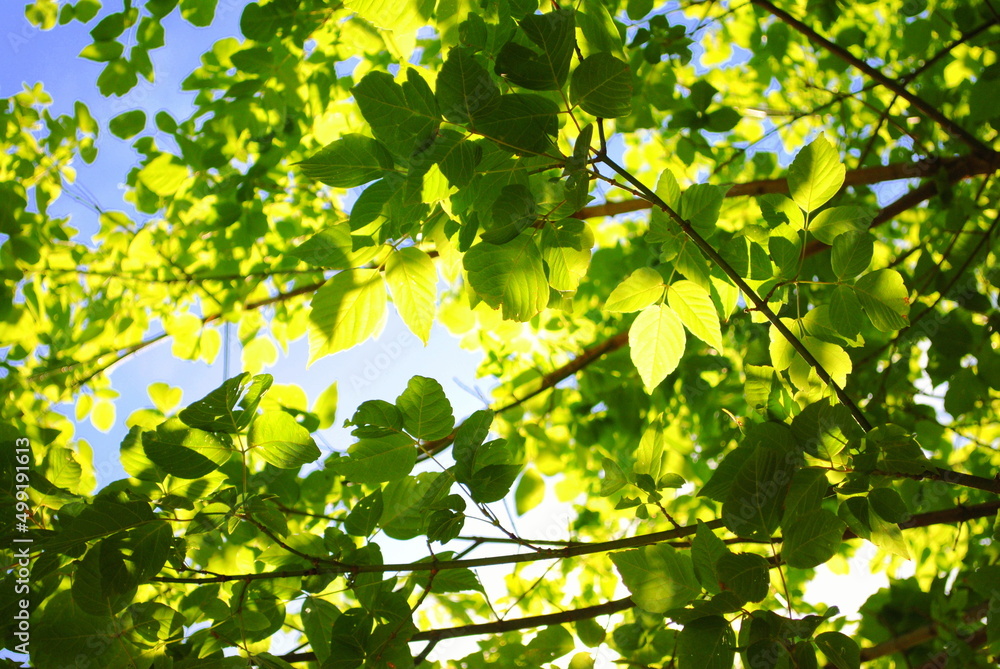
(884, 298)
(510, 276)
(656, 339)
(346, 311)
(696, 310)
(412, 280)
(643, 287)
(815, 175)
(279, 440)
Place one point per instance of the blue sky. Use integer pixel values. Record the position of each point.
(376, 369)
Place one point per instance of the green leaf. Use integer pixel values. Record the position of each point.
(840, 649)
(376, 418)
(364, 515)
(884, 298)
(402, 117)
(217, 412)
(887, 503)
(700, 206)
(412, 280)
(806, 492)
(706, 643)
(614, 478)
(706, 550)
(754, 502)
(529, 493)
(185, 452)
(590, 632)
(642, 288)
(333, 248)
(350, 161)
(458, 157)
(510, 277)
(778, 210)
(102, 51)
(425, 408)
(401, 16)
(812, 538)
(487, 468)
(815, 175)
(745, 574)
(164, 175)
(521, 122)
(377, 460)
(346, 311)
(406, 500)
(512, 212)
(198, 13)
(566, 248)
(845, 311)
(656, 340)
(696, 310)
(602, 86)
(658, 577)
(492, 482)
(828, 224)
(325, 407)
(852, 253)
(465, 91)
(280, 441)
(554, 34)
(104, 517)
(638, 9)
(599, 29)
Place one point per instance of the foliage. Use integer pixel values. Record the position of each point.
(812, 371)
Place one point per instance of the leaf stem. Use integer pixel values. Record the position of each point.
(758, 303)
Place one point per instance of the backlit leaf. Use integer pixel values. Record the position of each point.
(815, 175)
(412, 280)
(884, 298)
(656, 340)
(346, 311)
(510, 276)
(696, 310)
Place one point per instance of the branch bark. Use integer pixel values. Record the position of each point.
(945, 516)
(959, 167)
(758, 303)
(548, 381)
(928, 110)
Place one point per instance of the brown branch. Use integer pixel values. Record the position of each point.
(909, 330)
(591, 354)
(750, 294)
(122, 353)
(958, 167)
(957, 514)
(501, 626)
(915, 637)
(928, 110)
(945, 516)
(548, 381)
(441, 565)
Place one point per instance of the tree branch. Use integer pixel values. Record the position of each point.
(945, 516)
(548, 381)
(751, 295)
(914, 638)
(928, 110)
(959, 167)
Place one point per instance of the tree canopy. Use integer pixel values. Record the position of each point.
(732, 264)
